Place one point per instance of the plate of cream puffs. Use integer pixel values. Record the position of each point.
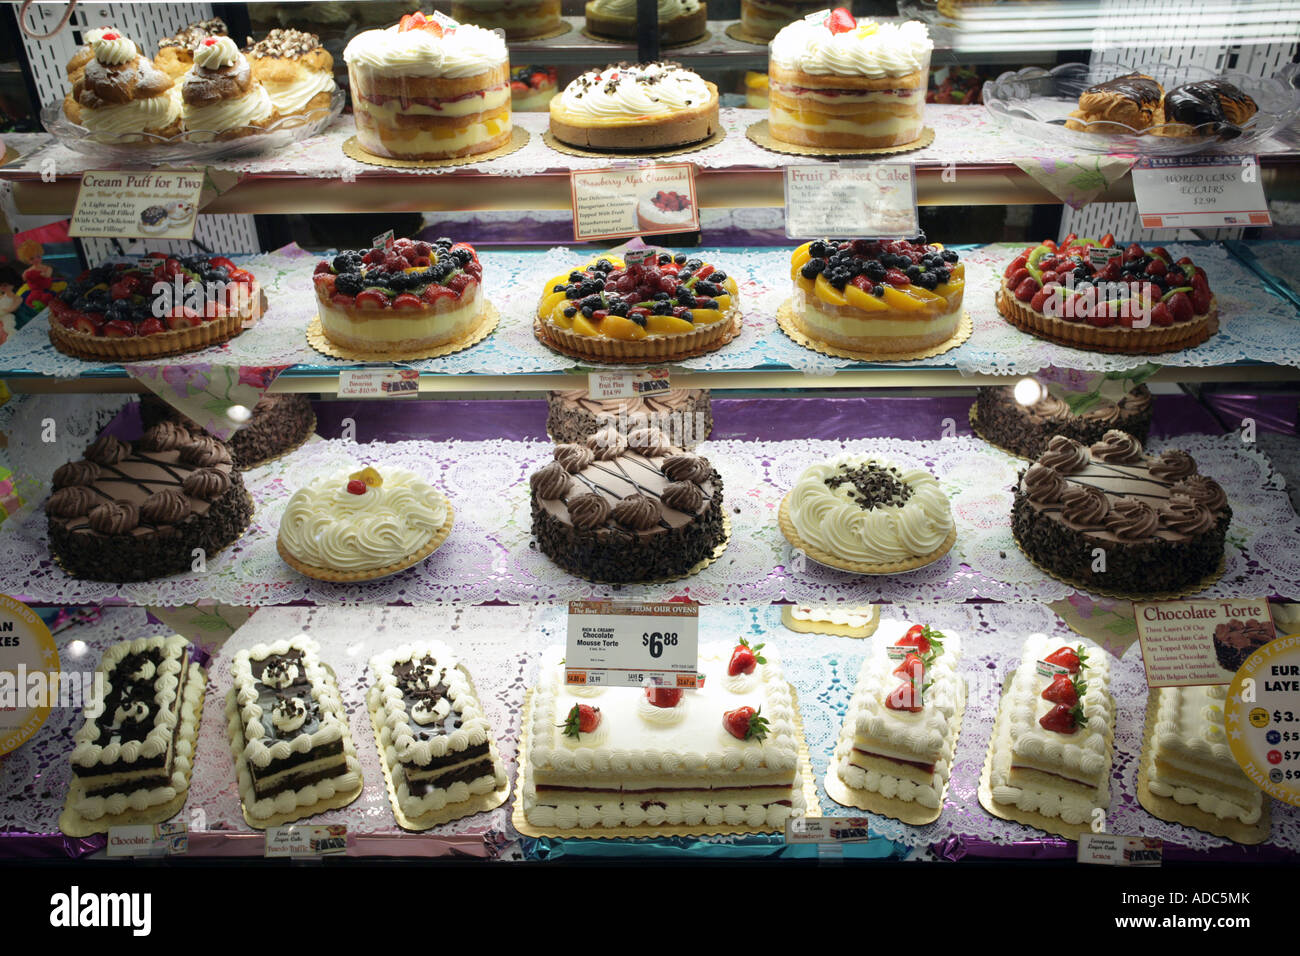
(199, 98)
(1157, 109)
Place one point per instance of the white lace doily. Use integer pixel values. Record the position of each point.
(490, 553)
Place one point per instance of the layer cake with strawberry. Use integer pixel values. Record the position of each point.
(725, 754)
(1089, 294)
(406, 296)
(877, 296)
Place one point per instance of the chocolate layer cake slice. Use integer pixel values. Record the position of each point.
(433, 735)
(135, 750)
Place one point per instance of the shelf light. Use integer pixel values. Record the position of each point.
(239, 413)
(1029, 391)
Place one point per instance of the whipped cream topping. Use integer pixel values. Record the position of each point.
(114, 52)
(464, 51)
(216, 52)
(293, 97)
(327, 526)
(668, 9)
(204, 122)
(872, 50)
(634, 91)
(145, 113)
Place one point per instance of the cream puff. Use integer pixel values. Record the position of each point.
(296, 70)
(77, 65)
(122, 93)
(220, 97)
(176, 53)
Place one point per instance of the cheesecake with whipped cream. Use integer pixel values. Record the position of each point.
(680, 21)
(634, 107)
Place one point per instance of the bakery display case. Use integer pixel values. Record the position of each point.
(323, 523)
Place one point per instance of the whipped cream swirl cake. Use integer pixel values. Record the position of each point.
(1054, 733)
(133, 511)
(623, 509)
(433, 735)
(1188, 760)
(135, 751)
(683, 414)
(726, 754)
(859, 510)
(1161, 524)
(900, 733)
(288, 731)
(1026, 429)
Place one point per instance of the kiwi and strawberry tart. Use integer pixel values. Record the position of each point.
(160, 305)
(877, 296)
(653, 308)
(407, 296)
(1090, 294)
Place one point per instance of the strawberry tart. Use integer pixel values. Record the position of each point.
(162, 305)
(424, 91)
(1090, 294)
(532, 88)
(407, 296)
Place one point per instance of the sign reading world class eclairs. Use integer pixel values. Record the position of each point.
(145, 204)
(633, 644)
(643, 200)
(1199, 192)
(867, 201)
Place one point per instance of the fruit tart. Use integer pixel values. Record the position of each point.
(1089, 294)
(162, 305)
(877, 296)
(659, 308)
(407, 296)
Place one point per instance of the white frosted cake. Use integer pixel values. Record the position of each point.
(433, 735)
(1052, 756)
(1188, 759)
(288, 730)
(135, 750)
(620, 756)
(901, 728)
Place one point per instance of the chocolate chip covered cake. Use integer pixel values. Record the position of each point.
(136, 511)
(1025, 430)
(279, 424)
(683, 414)
(628, 509)
(1159, 525)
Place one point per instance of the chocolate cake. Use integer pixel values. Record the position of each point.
(1025, 430)
(628, 509)
(279, 424)
(1236, 640)
(1160, 524)
(684, 414)
(136, 511)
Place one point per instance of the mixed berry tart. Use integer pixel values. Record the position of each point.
(161, 305)
(877, 296)
(408, 296)
(1090, 294)
(658, 308)
(664, 210)
(531, 88)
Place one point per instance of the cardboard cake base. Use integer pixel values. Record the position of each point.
(760, 135)
(353, 150)
(373, 574)
(317, 339)
(828, 627)
(831, 561)
(788, 322)
(737, 31)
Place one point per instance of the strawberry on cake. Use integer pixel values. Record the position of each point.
(424, 91)
(407, 296)
(1091, 295)
(664, 210)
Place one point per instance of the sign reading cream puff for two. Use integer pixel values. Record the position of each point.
(144, 204)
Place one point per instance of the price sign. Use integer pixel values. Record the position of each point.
(301, 842)
(1262, 717)
(633, 644)
(379, 383)
(1184, 643)
(627, 383)
(648, 200)
(1110, 849)
(29, 670)
(1199, 192)
(867, 201)
(150, 204)
(827, 830)
(157, 839)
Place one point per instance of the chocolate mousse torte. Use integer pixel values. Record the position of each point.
(683, 414)
(133, 511)
(622, 509)
(1160, 524)
(279, 424)
(1025, 430)
(1236, 640)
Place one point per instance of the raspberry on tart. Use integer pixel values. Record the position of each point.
(1134, 301)
(405, 297)
(662, 308)
(879, 296)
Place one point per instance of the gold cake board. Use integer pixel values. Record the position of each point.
(714, 139)
(73, 824)
(372, 574)
(1089, 588)
(1190, 815)
(788, 322)
(831, 561)
(761, 135)
(904, 811)
(737, 31)
(354, 150)
(317, 339)
(477, 803)
(521, 824)
(827, 627)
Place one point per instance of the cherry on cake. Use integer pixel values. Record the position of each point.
(1054, 733)
(424, 91)
(877, 296)
(726, 754)
(635, 106)
(409, 296)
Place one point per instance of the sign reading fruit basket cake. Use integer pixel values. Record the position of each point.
(632, 644)
(154, 204)
(645, 200)
(876, 200)
(1200, 192)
